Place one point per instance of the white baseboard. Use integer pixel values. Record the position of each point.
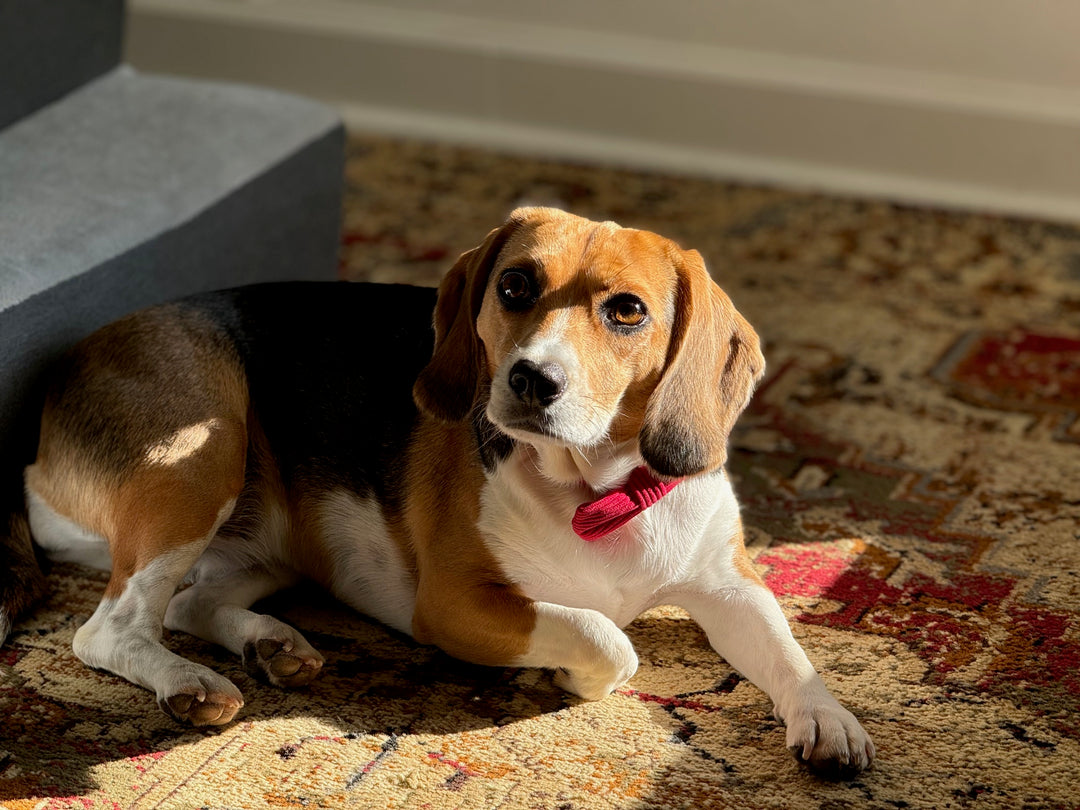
(905, 135)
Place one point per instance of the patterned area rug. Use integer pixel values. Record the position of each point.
(910, 475)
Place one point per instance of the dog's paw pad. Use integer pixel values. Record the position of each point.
(202, 708)
(281, 663)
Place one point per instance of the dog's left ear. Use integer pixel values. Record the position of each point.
(448, 385)
(714, 361)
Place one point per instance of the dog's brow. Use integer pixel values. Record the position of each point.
(622, 269)
(524, 261)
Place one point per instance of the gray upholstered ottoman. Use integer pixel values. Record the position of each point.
(127, 190)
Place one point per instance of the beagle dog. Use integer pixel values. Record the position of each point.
(514, 485)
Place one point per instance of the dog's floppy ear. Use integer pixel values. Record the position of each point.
(714, 361)
(447, 387)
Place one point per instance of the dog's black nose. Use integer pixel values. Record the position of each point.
(537, 384)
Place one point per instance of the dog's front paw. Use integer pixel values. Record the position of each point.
(201, 697)
(608, 673)
(829, 739)
(591, 656)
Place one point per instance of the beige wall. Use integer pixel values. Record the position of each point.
(1011, 40)
(972, 103)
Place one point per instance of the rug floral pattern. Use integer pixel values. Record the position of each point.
(910, 479)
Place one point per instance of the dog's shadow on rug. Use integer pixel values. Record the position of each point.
(64, 720)
(377, 680)
(60, 719)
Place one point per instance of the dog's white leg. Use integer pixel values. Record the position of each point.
(124, 637)
(746, 626)
(215, 608)
(590, 654)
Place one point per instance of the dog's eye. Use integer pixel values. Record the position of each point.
(626, 311)
(516, 289)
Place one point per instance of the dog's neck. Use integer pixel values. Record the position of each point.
(600, 469)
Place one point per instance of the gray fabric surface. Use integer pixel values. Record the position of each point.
(50, 47)
(126, 158)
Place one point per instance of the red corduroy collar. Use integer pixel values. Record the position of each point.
(615, 509)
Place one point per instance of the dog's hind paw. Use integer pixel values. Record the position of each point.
(207, 701)
(282, 662)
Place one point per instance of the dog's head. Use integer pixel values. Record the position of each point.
(584, 334)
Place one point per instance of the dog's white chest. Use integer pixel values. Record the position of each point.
(526, 523)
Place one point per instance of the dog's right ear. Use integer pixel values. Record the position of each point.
(449, 384)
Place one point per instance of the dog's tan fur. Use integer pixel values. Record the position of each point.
(143, 493)
(464, 603)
